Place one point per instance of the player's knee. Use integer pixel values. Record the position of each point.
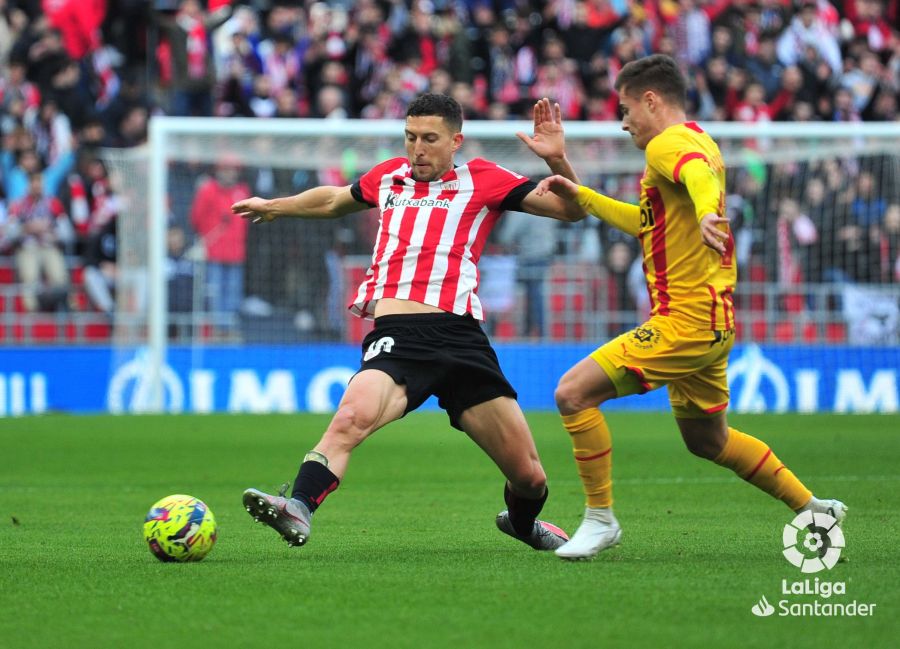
(569, 397)
(531, 482)
(708, 448)
(350, 425)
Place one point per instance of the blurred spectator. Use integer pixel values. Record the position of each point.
(281, 64)
(722, 46)
(13, 21)
(753, 107)
(43, 51)
(890, 257)
(179, 272)
(72, 91)
(17, 164)
(884, 107)
(765, 67)
(819, 205)
(192, 67)
(36, 231)
(863, 80)
(132, 128)
(100, 268)
(691, 33)
(223, 235)
(620, 256)
(261, 102)
(14, 87)
(807, 29)
(868, 22)
(533, 241)
(844, 110)
(462, 93)
(52, 132)
(868, 205)
(796, 234)
(558, 77)
(92, 203)
(331, 103)
(858, 233)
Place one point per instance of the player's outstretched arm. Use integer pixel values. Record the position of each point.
(562, 187)
(558, 203)
(548, 141)
(326, 202)
(624, 216)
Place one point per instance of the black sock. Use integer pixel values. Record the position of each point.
(523, 511)
(313, 483)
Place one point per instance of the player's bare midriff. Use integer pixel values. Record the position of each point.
(393, 306)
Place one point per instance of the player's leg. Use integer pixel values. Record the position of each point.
(751, 459)
(699, 402)
(580, 391)
(372, 400)
(499, 428)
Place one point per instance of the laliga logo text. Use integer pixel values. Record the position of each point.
(813, 542)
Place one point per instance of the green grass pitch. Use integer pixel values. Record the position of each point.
(405, 553)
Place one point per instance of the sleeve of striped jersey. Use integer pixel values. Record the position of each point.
(496, 183)
(667, 154)
(513, 200)
(365, 190)
(356, 193)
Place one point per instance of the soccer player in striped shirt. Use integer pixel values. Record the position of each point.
(690, 269)
(421, 289)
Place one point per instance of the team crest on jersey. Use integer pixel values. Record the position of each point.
(645, 336)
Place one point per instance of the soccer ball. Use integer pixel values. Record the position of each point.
(180, 528)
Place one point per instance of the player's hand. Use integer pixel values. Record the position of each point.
(256, 209)
(548, 141)
(713, 235)
(559, 185)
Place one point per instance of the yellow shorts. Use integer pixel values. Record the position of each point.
(662, 351)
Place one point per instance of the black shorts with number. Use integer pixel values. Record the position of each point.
(439, 354)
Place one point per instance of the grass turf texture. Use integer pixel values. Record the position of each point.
(405, 553)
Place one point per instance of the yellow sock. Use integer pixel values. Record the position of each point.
(592, 444)
(755, 462)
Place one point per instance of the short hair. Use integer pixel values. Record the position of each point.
(659, 73)
(442, 106)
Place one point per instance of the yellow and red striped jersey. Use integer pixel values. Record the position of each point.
(685, 278)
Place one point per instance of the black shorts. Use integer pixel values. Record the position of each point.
(439, 354)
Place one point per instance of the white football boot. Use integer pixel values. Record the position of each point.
(599, 530)
(834, 508)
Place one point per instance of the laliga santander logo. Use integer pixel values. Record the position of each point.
(813, 542)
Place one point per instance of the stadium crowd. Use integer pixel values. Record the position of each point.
(77, 76)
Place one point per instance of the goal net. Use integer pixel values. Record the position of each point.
(815, 209)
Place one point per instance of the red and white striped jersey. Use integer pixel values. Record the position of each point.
(431, 234)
